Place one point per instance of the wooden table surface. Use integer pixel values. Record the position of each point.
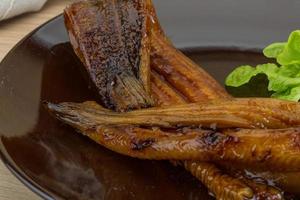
(11, 31)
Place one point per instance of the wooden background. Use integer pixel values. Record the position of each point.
(11, 31)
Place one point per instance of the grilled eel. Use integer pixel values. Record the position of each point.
(219, 183)
(235, 113)
(230, 190)
(186, 77)
(111, 38)
(190, 80)
(230, 183)
(272, 149)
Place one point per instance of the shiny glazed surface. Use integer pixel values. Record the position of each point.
(70, 166)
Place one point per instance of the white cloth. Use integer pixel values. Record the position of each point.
(10, 8)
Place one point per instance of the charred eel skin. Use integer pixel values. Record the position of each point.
(111, 38)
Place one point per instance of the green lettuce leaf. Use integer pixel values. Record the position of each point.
(284, 80)
(291, 95)
(291, 51)
(243, 74)
(273, 50)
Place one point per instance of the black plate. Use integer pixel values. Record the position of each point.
(56, 162)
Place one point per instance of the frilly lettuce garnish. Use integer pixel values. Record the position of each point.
(284, 77)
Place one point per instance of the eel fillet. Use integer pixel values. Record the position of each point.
(111, 38)
(162, 60)
(223, 186)
(235, 113)
(190, 79)
(273, 149)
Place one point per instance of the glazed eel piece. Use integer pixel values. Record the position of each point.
(187, 78)
(139, 145)
(235, 113)
(274, 149)
(218, 182)
(222, 185)
(112, 40)
(190, 80)
(183, 74)
(141, 139)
